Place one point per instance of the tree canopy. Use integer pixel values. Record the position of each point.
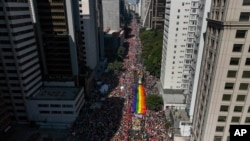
(154, 102)
(152, 50)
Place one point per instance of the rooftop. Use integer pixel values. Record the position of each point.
(57, 93)
(173, 98)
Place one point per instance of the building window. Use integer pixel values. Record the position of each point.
(67, 106)
(246, 2)
(222, 118)
(241, 97)
(248, 109)
(179, 10)
(224, 108)
(56, 112)
(238, 108)
(68, 112)
(246, 74)
(237, 47)
(226, 97)
(55, 105)
(235, 119)
(244, 16)
(178, 17)
(229, 86)
(219, 128)
(231, 74)
(247, 120)
(234, 61)
(240, 33)
(247, 61)
(243, 86)
(44, 112)
(43, 105)
(217, 138)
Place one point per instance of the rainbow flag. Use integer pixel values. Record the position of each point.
(138, 101)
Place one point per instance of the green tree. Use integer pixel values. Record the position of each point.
(154, 102)
(152, 50)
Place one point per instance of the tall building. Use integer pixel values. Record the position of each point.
(223, 90)
(92, 34)
(155, 14)
(182, 31)
(58, 29)
(63, 64)
(20, 75)
(185, 23)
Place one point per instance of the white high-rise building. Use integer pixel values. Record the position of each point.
(185, 22)
(20, 74)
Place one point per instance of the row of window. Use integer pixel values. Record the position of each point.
(236, 61)
(56, 112)
(235, 119)
(232, 74)
(225, 108)
(239, 98)
(221, 128)
(230, 86)
(56, 105)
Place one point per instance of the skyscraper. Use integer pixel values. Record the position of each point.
(223, 88)
(58, 27)
(182, 30)
(20, 74)
(185, 23)
(155, 13)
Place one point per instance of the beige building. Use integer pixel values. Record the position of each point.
(223, 90)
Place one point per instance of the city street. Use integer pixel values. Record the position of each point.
(113, 120)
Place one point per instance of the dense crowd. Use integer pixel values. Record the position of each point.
(113, 119)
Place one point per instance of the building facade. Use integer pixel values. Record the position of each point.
(60, 48)
(155, 14)
(20, 74)
(182, 31)
(92, 36)
(223, 88)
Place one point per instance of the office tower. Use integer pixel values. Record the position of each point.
(155, 13)
(58, 29)
(185, 23)
(223, 90)
(20, 74)
(180, 44)
(91, 31)
(91, 28)
(61, 97)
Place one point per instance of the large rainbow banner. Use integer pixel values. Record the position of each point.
(138, 101)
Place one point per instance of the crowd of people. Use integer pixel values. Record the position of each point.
(113, 119)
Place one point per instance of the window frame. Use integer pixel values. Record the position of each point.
(237, 46)
(238, 99)
(224, 97)
(246, 3)
(231, 73)
(242, 87)
(239, 34)
(233, 61)
(238, 110)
